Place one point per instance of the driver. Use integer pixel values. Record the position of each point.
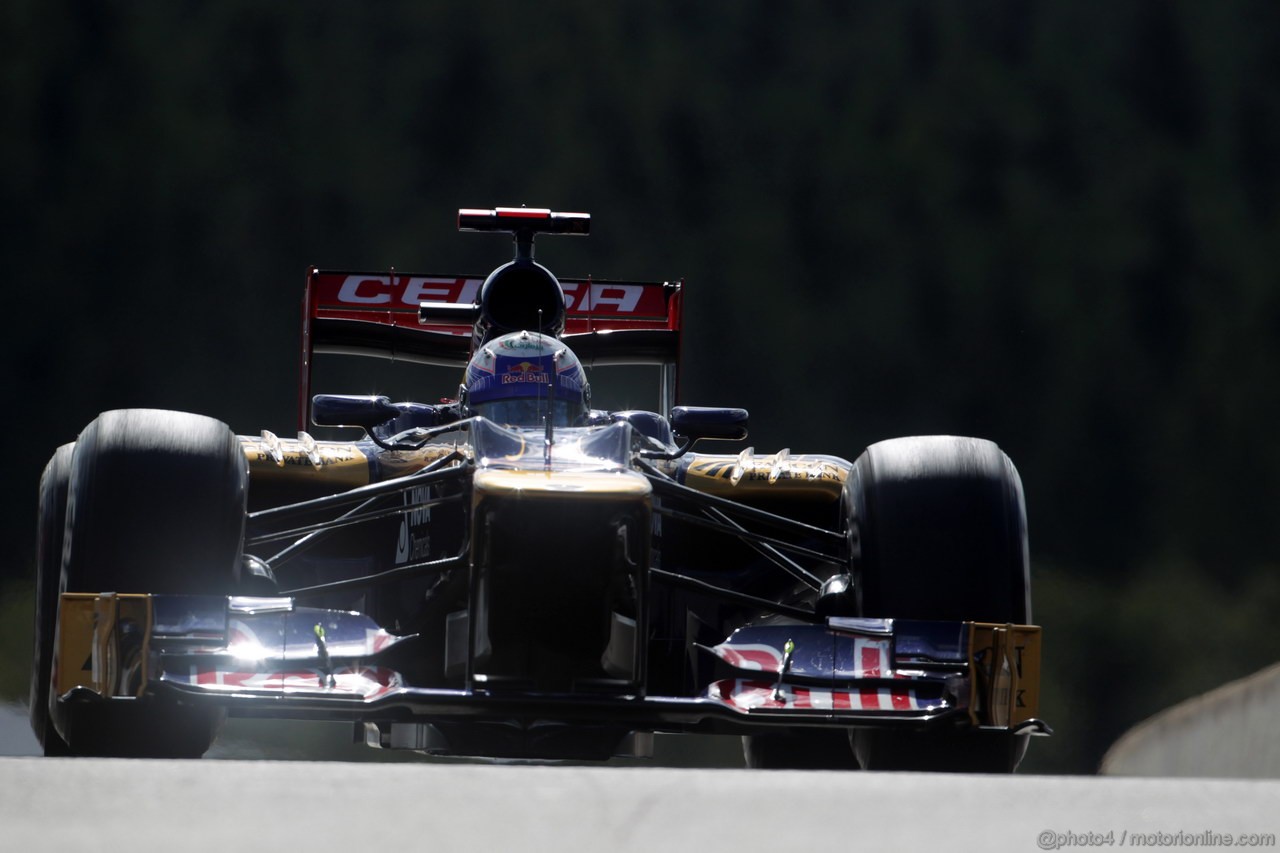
(518, 378)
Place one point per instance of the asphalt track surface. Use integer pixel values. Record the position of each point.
(248, 805)
(92, 804)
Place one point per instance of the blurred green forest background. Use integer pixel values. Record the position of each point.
(1052, 224)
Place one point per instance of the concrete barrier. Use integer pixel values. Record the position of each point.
(1231, 732)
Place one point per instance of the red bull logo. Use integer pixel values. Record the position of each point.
(525, 371)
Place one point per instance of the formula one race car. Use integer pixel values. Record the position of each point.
(515, 574)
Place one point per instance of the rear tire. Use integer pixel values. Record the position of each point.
(155, 504)
(939, 752)
(799, 750)
(941, 530)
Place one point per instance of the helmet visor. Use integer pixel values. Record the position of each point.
(529, 411)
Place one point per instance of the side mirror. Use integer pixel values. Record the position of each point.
(695, 422)
(348, 410)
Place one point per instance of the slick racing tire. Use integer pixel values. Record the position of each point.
(940, 531)
(49, 526)
(155, 504)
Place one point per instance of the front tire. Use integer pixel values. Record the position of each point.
(49, 529)
(940, 524)
(155, 504)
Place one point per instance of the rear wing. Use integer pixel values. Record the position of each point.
(377, 314)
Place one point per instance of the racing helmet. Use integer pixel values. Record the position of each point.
(517, 379)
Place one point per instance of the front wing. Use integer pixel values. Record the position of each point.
(270, 657)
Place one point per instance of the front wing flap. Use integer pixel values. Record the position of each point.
(896, 668)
